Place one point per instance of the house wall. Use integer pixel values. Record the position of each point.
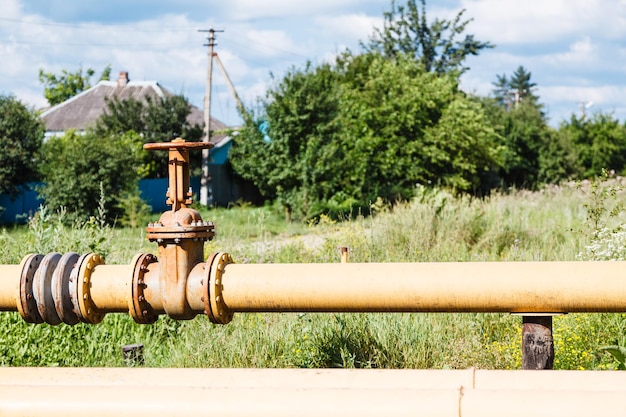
(19, 208)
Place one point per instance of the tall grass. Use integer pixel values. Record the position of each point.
(436, 226)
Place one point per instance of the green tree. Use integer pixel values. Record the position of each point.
(599, 143)
(410, 126)
(473, 150)
(522, 87)
(106, 74)
(525, 133)
(510, 91)
(81, 172)
(558, 160)
(438, 46)
(299, 111)
(21, 135)
(502, 91)
(341, 136)
(155, 120)
(58, 88)
(531, 154)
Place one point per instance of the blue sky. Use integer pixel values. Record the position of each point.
(575, 49)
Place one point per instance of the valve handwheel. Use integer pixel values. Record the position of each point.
(177, 144)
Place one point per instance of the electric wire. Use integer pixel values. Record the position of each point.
(92, 27)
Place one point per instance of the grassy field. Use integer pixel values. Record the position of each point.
(555, 224)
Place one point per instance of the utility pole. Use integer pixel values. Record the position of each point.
(584, 105)
(206, 196)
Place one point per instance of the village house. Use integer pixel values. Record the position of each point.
(83, 110)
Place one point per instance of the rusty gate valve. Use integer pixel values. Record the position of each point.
(181, 222)
(180, 232)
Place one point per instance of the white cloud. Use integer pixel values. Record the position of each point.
(565, 100)
(582, 46)
(580, 52)
(253, 92)
(11, 9)
(354, 27)
(602, 95)
(254, 9)
(272, 43)
(544, 21)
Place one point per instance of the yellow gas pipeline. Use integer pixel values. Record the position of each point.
(70, 288)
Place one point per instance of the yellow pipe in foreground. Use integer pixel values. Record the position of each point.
(287, 392)
(10, 279)
(519, 287)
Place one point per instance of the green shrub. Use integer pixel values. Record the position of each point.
(83, 174)
(21, 135)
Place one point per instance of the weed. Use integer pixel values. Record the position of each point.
(619, 353)
(602, 204)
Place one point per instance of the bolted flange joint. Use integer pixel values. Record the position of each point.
(187, 228)
(138, 306)
(81, 295)
(214, 306)
(26, 302)
(55, 288)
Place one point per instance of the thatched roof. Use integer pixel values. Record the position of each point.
(83, 110)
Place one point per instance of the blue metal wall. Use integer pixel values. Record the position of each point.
(21, 206)
(225, 190)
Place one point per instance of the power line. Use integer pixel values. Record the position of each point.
(93, 26)
(47, 44)
(248, 41)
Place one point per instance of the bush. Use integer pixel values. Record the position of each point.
(21, 134)
(87, 175)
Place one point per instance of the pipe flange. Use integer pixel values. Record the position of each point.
(61, 288)
(88, 313)
(73, 286)
(42, 288)
(26, 303)
(195, 230)
(138, 307)
(206, 280)
(217, 310)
